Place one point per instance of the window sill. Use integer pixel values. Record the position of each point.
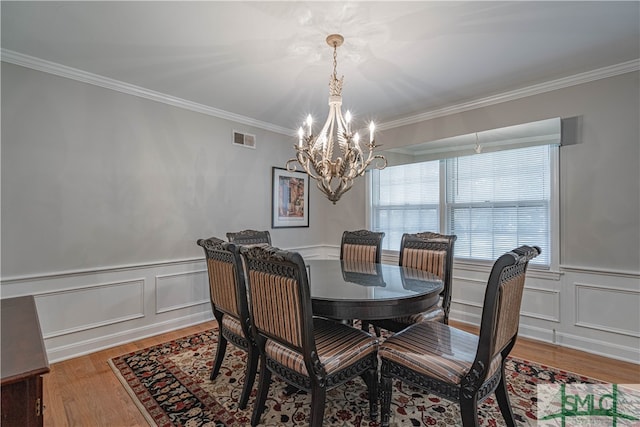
(482, 266)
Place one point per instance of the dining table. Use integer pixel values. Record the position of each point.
(348, 290)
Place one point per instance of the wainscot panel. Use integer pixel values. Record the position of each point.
(179, 290)
(94, 306)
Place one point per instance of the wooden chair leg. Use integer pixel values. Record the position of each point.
(318, 398)
(385, 396)
(372, 386)
(221, 349)
(502, 395)
(469, 411)
(250, 376)
(263, 390)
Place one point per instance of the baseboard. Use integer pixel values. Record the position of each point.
(598, 347)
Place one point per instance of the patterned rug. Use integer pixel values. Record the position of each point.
(170, 384)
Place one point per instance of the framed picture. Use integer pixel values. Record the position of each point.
(289, 198)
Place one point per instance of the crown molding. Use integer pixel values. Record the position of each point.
(105, 82)
(586, 77)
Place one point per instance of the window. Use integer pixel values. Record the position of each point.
(493, 201)
(407, 200)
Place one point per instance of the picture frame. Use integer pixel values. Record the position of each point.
(289, 198)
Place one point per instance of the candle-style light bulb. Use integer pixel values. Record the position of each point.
(356, 138)
(372, 128)
(300, 135)
(309, 122)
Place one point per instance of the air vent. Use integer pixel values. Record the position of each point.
(244, 139)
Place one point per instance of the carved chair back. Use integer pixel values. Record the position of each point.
(249, 237)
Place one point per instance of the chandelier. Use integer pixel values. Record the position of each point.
(315, 153)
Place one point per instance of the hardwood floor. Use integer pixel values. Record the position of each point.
(85, 392)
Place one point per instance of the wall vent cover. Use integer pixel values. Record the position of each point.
(244, 139)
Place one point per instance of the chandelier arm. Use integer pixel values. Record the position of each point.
(303, 161)
(319, 170)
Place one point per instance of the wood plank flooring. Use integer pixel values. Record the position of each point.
(85, 392)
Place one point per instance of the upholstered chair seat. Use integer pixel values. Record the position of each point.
(338, 347)
(436, 350)
(233, 327)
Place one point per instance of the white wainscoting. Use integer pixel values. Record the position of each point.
(85, 311)
(593, 312)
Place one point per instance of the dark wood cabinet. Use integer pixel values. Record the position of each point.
(23, 362)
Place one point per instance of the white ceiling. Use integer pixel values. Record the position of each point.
(268, 61)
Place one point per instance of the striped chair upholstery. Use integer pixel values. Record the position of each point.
(433, 253)
(313, 354)
(249, 237)
(228, 294)
(458, 365)
(361, 245)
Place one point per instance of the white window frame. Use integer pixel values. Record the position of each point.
(554, 218)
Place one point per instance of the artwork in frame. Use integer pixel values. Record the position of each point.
(290, 198)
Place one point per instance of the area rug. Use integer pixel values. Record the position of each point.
(170, 384)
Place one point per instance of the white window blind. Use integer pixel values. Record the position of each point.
(493, 201)
(405, 199)
(498, 201)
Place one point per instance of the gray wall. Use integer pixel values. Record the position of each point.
(599, 176)
(96, 178)
(93, 177)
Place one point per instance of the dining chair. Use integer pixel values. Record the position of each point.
(250, 237)
(228, 294)
(433, 253)
(456, 364)
(361, 245)
(310, 353)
